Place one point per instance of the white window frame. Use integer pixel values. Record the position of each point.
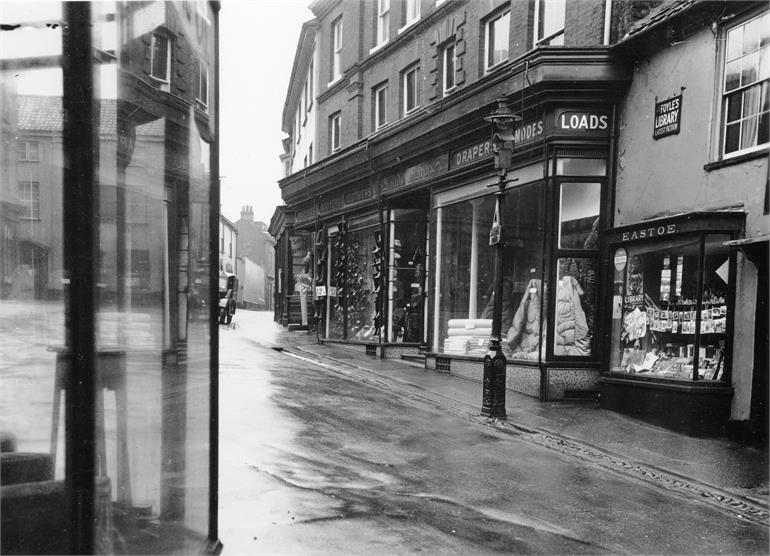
(336, 49)
(380, 103)
(29, 195)
(310, 86)
(540, 23)
(298, 119)
(26, 152)
(310, 153)
(759, 83)
(155, 37)
(202, 95)
(335, 128)
(447, 87)
(488, 39)
(383, 21)
(412, 13)
(413, 70)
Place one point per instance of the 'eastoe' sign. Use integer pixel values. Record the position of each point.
(667, 117)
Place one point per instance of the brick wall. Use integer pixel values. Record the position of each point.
(422, 43)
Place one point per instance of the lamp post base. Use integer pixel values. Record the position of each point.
(493, 401)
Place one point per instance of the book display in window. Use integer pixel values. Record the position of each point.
(665, 327)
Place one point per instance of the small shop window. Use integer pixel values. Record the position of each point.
(667, 320)
(579, 207)
(581, 167)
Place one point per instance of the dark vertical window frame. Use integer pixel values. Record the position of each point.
(215, 546)
(80, 203)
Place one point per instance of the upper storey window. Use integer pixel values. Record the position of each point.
(383, 21)
(410, 85)
(160, 61)
(746, 92)
(448, 67)
(203, 83)
(496, 44)
(29, 151)
(412, 12)
(549, 22)
(337, 49)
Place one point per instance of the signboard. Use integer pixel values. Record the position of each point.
(582, 122)
(320, 291)
(332, 291)
(667, 117)
(496, 232)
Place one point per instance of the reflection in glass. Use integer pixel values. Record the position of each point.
(579, 206)
(33, 358)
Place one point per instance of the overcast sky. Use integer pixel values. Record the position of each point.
(258, 39)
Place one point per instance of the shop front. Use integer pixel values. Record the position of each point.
(671, 310)
(555, 204)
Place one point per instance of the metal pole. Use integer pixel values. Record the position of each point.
(493, 402)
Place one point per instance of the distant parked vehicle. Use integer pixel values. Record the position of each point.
(228, 297)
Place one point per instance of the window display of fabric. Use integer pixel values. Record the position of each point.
(571, 330)
(468, 336)
(523, 336)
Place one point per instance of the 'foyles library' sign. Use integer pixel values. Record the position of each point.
(668, 117)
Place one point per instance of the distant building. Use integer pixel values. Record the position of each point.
(255, 249)
(228, 246)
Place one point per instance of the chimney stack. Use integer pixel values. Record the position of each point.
(247, 213)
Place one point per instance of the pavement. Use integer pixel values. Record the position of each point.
(713, 470)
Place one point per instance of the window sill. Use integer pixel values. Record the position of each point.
(736, 159)
(408, 25)
(497, 66)
(334, 81)
(450, 90)
(377, 47)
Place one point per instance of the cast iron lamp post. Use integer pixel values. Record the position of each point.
(503, 121)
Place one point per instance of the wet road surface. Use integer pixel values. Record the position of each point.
(314, 462)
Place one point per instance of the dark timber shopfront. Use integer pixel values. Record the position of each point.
(399, 223)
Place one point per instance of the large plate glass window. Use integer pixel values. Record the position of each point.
(465, 275)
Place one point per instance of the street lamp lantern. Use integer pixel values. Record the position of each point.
(503, 122)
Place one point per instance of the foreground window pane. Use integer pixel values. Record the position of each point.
(33, 358)
(153, 330)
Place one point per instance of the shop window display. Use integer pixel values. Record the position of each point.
(576, 276)
(465, 274)
(664, 324)
(406, 275)
(352, 290)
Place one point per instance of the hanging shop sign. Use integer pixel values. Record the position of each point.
(667, 117)
(496, 231)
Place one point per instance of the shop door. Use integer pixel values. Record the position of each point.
(407, 275)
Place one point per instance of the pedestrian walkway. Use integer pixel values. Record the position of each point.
(710, 469)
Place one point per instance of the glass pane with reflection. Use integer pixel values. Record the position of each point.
(33, 290)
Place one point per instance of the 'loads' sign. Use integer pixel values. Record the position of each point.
(582, 122)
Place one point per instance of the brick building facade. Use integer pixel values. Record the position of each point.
(403, 168)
